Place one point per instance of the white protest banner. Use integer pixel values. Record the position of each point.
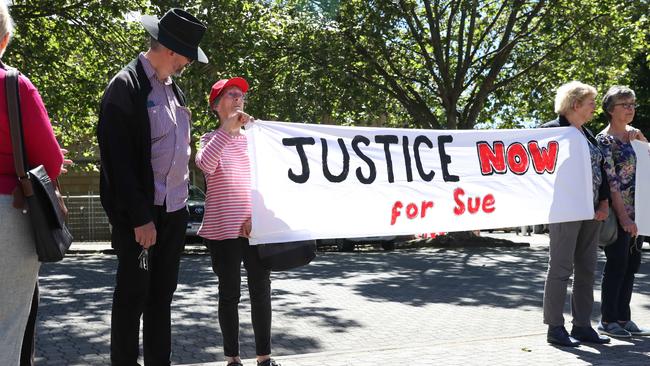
(321, 181)
(641, 187)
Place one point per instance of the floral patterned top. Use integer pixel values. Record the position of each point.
(596, 172)
(620, 166)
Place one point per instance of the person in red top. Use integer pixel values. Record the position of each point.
(18, 263)
(223, 158)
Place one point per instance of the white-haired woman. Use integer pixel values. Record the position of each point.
(573, 245)
(18, 263)
(624, 255)
(223, 158)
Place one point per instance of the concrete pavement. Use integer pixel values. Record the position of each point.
(478, 306)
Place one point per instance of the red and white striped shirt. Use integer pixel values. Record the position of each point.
(224, 161)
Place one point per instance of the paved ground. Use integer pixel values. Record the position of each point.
(479, 306)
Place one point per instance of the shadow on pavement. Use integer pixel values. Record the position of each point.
(74, 311)
(74, 315)
(196, 325)
(506, 278)
(634, 349)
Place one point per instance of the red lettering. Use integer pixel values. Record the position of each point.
(488, 203)
(517, 158)
(411, 210)
(544, 159)
(491, 160)
(395, 211)
(472, 209)
(460, 206)
(425, 205)
(474, 204)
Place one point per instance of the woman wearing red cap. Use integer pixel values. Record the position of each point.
(223, 158)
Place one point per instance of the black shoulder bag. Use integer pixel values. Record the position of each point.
(43, 206)
(285, 256)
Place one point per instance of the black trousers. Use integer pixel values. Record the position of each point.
(146, 293)
(623, 261)
(227, 256)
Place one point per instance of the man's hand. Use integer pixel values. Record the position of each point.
(145, 235)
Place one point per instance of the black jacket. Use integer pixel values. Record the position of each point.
(126, 178)
(603, 190)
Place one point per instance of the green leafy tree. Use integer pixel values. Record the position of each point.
(70, 50)
(451, 64)
(431, 64)
(601, 54)
(640, 82)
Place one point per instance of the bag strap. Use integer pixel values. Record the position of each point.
(16, 128)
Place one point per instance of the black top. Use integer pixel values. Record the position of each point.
(126, 177)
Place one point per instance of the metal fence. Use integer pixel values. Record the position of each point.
(87, 220)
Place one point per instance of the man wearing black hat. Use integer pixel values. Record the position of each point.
(144, 136)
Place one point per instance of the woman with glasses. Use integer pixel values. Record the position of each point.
(624, 255)
(223, 158)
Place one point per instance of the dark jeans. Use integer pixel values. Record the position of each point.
(227, 256)
(623, 261)
(146, 293)
(28, 349)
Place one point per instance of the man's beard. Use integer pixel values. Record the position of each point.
(179, 72)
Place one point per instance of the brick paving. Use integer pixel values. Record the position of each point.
(478, 306)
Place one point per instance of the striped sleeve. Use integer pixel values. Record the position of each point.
(210, 150)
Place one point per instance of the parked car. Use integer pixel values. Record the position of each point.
(348, 244)
(196, 206)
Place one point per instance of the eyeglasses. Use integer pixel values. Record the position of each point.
(627, 105)
(236, 95)
(188, 61)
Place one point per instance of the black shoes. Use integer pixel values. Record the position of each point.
(269, 362)
(588, 335)
(559, 336)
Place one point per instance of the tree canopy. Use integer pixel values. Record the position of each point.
(408, 63)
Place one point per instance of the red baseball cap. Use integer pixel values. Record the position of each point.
(222, 84)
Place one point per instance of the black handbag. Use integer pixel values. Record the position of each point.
(51, 235)
(285, 256)
(608, 230)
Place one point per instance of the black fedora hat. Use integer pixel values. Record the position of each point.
(179, 31)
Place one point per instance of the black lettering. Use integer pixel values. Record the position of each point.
(298, 142)
(346, 163)
(427, 177)
(372, 174)
(407, 159)
(387, 140)
(445, 159)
